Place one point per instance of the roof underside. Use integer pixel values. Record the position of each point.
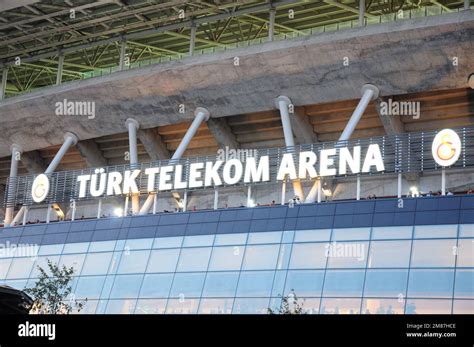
(89, 31)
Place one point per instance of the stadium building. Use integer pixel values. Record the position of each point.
(218, 156)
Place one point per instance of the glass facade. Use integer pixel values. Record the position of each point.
(366, 270)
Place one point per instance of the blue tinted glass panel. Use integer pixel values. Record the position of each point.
(186, 285)
(385, 283)
(133, 262)
(308, 256)
(194, 259)
(73, 260)
(428, 306)
(347, 254)
(220, 284)
(182, 306)
(80, 247)
(230, 239)
(226, 258)
(466, 230)
(423, 251)
(260, 257)
(167, 242)
(350, 234)
(196, 241)
(102, 246)
(216, 306)
(120, 306)
(463, 307)
(343, 283)
(398, 232)
(465, 253)
(383, 306)
(267, 237)
(250, 306)
(156, 286)
(163, 260)
(126, 286)
(312, 235)
(435, 231)
(431, 283)
(340, 306)
(20, 268)
(255, 284)
(97, 263)
(464, 284)
(151, 306)
(89, 287)
(389, 254)
(304, 282)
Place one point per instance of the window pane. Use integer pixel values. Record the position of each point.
(89, 287)
(431, 253)
(220, 284)
(80, 247)
(230, 239)
(216, 306)
(463, 307)
(386, 283)
(340, 306)
(151, 306)
(351, 234)
(304, 282)
(424, 306)
(89, 307)
(138, 244)
(168, 242)
(50, 249)
(102, 246)
(20, 268)
(97, 263)
(347, 254)
(267, 237)
(250, 306)
(383, 233)
(284, 257)
(194, 259)
(343, 283)
(133, 262)
(261, 257)
(308, 256)
(255, 284)
(383, 306)
(430, 283)
(200, 240)
(120, 306)
(466, 230)
(464, 284)
(226, 258)
(4, 266)
(435, 231)
(312, 235)
(465, 253)
(288, 236)
(186, 285)
(389, 254)
(126, 286)
(163, 260)
(182, 306)
(42, 262)
(156, 286)
(73, 260)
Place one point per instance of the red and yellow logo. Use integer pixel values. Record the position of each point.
(446, 147)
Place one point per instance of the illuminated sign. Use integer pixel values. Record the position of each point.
(334, 161)
(40, 188)
(446, 147)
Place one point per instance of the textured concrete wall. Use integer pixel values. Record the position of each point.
(400, 57)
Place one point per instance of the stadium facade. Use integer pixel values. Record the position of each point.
(330, 163)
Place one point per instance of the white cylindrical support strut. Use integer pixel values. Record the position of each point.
(271, 24)
(69, 140)
(369, 92)
(201, 114)
(185, 200)
(283, 191)
(123, 48)
(249, 196)
(216, 198)
(48, 214)
(132, 126)
(16, 154)
(314, 193)
(361, 13)
(192, 41)
(399, 185)
(283, 103)
(99, 209)
(358, 188)
(443, 181)
(59, 73)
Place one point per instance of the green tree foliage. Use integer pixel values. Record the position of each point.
(52, 292)
(289, 305)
